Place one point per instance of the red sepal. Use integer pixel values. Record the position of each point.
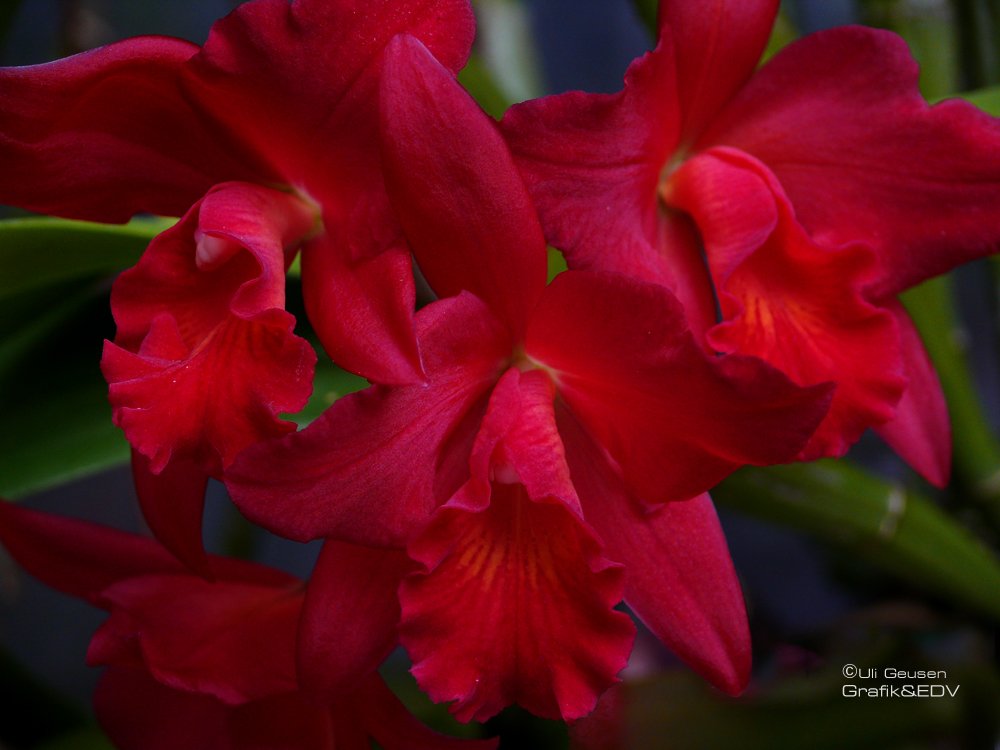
(679, 578)
(839, 119)
(456, 191)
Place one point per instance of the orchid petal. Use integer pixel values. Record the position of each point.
(205, 359)
(838, 118)
(920, 431)
(295, 79)
(677, 420)
(504, 614)
(107, 134)
(679, 578)
(82, 558)
(308, 484)
(61, 552)
(138, 713)
(592, 163)
(362, 310)
(350, 615)
(232, 640)
(172, 503)
(796, 304)
(457, 193)
(536, 623)
(717, 44)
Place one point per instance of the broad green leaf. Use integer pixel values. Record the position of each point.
(26, 320)
(38, 252)
(50, 437)
(900, 531)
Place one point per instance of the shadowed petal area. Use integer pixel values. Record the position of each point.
(920, 431)
(205, 359)
(350, 615)
(296, 79)
(362, 310)
(110, 133)
(395, 728)
(366, 470)
(516, 601)
(232, 640)
(173, 503)
(838, 118)
(679, 578)
(674, 418)
(456, 191)
(60, 551)
(138, 713)
(792, 302)
(717, 44)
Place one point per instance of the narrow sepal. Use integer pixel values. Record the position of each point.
(461, 202)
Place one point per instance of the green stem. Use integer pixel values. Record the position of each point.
(976, 449)
(970, 54)
(900, 531)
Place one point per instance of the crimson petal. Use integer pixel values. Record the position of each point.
(592, 164)
(676, 419)
(516, 600)
(679, 578)
(840, 121)
(920, 431)
(110, 133)
(350, 615)
(362, 310)
(233, 640)
(204, 359)
(718, 44)
(172, 503)
(797, 305)
(456, 191)
(296, 79)
(366, 471)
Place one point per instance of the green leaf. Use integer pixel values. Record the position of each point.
(42, 251)
(479, 82)
(900, 531)
(329, 384)
(987, 100)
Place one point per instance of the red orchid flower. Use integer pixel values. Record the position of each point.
(199, 664)
(265, 140)
(818, 187)
(527, 479)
